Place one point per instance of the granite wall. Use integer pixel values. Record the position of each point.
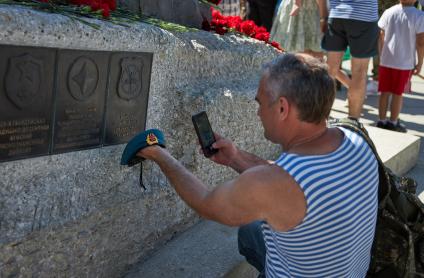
(81, 214)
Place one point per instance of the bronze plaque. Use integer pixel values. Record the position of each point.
(128, 96)
(26, 88)
(56, 100)
(80, 100)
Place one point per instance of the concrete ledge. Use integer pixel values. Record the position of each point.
(206, 250)
(398, 151)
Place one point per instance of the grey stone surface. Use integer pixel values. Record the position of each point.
(80, 214)
(207, 250)
(185, 12)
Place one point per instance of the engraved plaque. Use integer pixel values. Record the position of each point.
(128, 96)
(26, 86)
(80, 100)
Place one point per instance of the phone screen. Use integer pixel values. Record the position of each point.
(204, 132)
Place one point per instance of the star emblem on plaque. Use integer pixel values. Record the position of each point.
(130, 84)
(23, 80)
(83, 78)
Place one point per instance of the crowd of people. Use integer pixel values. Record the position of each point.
(390, 32)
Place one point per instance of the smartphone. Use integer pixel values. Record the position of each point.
(204, 133)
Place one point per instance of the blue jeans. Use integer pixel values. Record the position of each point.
(251, 245)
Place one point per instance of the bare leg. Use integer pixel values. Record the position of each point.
(356, 92)
(395, 107)
(334, 60)
(383, 102)
(343, 78)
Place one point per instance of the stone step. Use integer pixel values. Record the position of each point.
(206, 250)
(209, 250)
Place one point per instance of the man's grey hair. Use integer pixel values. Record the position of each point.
(305, 82)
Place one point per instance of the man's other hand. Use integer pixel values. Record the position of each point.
(227, 151)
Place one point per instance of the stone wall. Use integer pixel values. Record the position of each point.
(81, 214)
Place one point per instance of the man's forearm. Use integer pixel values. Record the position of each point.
(192, 190)
(323, 10)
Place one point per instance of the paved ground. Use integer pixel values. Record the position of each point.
(412, 115)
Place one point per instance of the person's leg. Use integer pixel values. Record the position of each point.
(395, 107)
(251, 245)
(253, 12)
(266, 10)
(343, 78)
(356, 92)
(383, 103)
(334, 60)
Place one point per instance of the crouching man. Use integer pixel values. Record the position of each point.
(311, 213)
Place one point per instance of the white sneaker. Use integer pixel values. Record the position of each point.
(372, 88)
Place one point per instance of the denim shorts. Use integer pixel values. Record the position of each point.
(360, 36)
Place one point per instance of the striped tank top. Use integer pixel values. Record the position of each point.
(335, 237)
(363, 10)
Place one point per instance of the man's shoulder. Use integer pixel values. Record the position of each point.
(265, 176)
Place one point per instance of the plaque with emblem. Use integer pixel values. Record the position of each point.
(127, 96)
(80, 99)
(26, 89)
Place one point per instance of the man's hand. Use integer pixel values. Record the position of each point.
(227, 151)
(151, 152)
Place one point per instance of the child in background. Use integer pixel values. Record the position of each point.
(402, 35)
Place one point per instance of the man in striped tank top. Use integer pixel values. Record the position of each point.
(312, 213)
(351, 23)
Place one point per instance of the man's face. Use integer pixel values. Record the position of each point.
(268, 110)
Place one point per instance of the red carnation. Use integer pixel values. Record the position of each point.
(220, 30)
(247, 27)
(216, 14)
(262, 36)
(105, 10)
(276, 45)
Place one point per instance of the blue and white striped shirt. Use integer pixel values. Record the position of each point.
(336, 235)
(363, 10)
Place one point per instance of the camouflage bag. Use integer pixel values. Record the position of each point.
(398, 247)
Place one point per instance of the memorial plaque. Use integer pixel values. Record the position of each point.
(26, 87)
(80, 99)
(128, 96)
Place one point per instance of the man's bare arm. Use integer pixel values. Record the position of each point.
(256, 194)
(229, 155)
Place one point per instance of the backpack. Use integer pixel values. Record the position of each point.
(398, 247)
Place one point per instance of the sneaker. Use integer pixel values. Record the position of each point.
(372, 88)
(399, 127)
(381, 124)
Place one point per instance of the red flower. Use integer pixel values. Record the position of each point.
(234, 22)
(105, 10)
(248, 27)
(216, 14)
(276, 45)
(216, 2)
(262, 36)
(260, 30)
(220, 30)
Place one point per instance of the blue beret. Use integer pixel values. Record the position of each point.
(144, 139)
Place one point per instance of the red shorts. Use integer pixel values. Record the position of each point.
(394, 81)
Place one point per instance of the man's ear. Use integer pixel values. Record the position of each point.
(284, 108)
